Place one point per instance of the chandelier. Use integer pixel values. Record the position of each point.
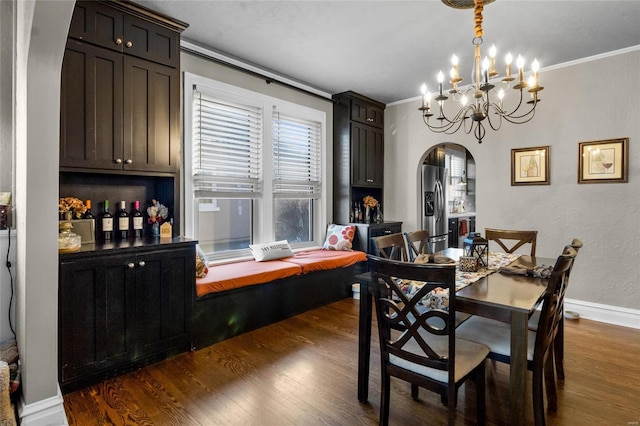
(481, 102)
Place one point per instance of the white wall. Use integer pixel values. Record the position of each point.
(41, 32)
(593, 100)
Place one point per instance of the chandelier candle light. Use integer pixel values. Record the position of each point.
(483, 88)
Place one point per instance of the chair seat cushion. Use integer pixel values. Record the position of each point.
(468, 356)
(494, 334)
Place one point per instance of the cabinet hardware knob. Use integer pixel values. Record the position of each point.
(118, 41)
(131, 265)
(129, 161)
(118, 160)
(387, 231)
(129, 44)
(370, 180)
(141, 263)
(369, 119)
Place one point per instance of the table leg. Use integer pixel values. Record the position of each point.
(518, 367)
(364, 340)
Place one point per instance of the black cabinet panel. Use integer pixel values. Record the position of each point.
(119, 309)
(358, 152)
(91, 107)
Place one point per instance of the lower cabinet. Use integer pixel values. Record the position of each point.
(120, 311)
(365, 232)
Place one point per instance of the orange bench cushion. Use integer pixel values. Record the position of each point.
(323, 260)
(241, 274)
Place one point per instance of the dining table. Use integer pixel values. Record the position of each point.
(509, 298)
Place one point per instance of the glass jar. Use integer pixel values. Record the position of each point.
(68, 242)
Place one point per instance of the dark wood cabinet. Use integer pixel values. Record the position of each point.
(367, 155)
(91, 124)
(118, 112)
(436, 157)
(151, 124)
(358, 152)
(127, 28)
(120, 104)
(122, 310)
(365, 232)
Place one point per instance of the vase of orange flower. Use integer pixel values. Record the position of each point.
(369, 203)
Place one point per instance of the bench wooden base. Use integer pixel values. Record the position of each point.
(219, 316)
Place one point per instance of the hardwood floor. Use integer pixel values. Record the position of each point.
(302, 371)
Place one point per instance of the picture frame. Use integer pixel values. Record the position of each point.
(604, 161)
(530, 166)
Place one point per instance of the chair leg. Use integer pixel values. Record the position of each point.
(538, 396)
(452, 394)
(559, 350)
(384, 399)
(480, 394)
(550, 382)
(415, 390)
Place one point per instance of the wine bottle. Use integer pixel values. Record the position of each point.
(123, 221)
(88, 214)
(106, 222)
(137, 219)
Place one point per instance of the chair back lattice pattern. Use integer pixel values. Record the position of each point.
(392, 247)
(396, 311)
(512, 240)
(418, 243)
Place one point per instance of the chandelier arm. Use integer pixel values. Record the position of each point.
(510, 114)
(497, 109)
(437, 129)
(530, 115)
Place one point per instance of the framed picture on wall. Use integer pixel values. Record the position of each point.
(605, 161)
(530, 166)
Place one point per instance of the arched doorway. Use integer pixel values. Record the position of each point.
(448, 195)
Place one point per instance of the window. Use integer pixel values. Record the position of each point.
(253, 167)
(296, 176)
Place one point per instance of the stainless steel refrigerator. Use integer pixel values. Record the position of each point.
(434, 206)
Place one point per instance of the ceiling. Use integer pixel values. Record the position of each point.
(387, 49)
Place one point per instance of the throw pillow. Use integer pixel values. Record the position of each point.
(202, 268)
(271, 251)
(339, 237)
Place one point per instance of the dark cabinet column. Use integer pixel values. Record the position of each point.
(91, 107)
(96, 300)
(151, 116)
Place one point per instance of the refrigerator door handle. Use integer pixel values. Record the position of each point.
(440, 201)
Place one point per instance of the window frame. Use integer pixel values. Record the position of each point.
(263, 208)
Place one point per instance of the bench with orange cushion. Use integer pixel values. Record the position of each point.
(239, 297)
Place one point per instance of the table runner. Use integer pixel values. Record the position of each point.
(438, 298)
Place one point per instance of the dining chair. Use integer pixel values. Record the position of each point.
(514, 238)
(558, 344)
(496, 336)
(417, 243)
(391, 246)
(420, 346)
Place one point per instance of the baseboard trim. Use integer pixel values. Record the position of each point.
(604, 313)
(47, 412)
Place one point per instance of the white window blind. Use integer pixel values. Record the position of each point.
(227, 143)
(296, 157)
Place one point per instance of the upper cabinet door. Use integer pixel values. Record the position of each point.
(151, 116)
(98, 24)
(367, 113)
(149, 41)
(104, 26)
(91, 108)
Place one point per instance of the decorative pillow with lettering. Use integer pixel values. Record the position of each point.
(271, 251)
(339, 237)
(202, 264)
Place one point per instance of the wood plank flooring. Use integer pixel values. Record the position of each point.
(302, 371)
